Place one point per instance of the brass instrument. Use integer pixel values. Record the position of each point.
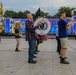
(20, 33)
(1, 28)
(1, 14)
(1, 10)
(13, 28)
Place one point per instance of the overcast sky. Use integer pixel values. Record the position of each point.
(50, 6)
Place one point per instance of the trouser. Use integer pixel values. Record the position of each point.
(58, 44)
(38, 41)
(36, 44)
(31, 49)
(18, 40)
(64, 42)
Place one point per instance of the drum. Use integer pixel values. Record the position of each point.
(44, 28)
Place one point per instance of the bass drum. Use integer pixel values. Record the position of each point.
(44, 28)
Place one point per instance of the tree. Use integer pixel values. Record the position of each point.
(26, 12)
(13, 14)
(45, 14)
(16, 15)
(56, 15)
(9, 14)
(38, 13)
(21, 14)
(68, 11)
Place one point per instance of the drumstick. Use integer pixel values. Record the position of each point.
(42, 19)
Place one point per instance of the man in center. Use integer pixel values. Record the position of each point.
(30, 37)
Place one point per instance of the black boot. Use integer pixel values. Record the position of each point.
(63, 61)
(17, 50)
(37, 49)
(35, 52)
(34, 56)
(32, 62)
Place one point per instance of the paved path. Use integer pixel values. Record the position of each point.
(14, 63)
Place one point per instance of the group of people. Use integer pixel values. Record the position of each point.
(61, 36)
(33, 38)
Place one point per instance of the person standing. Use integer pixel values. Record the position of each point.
(17, 35)
(62, 27)
(30, 37)
(58, 41)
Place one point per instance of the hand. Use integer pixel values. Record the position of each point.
(72, 19)
(20, 32)
(40, 23)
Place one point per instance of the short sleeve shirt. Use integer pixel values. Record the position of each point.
(17, 31)
(62, 28)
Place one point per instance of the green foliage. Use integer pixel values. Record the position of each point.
(9, 14)
(68, 11)
(40, 13)
(12, 14)
(22, 14)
